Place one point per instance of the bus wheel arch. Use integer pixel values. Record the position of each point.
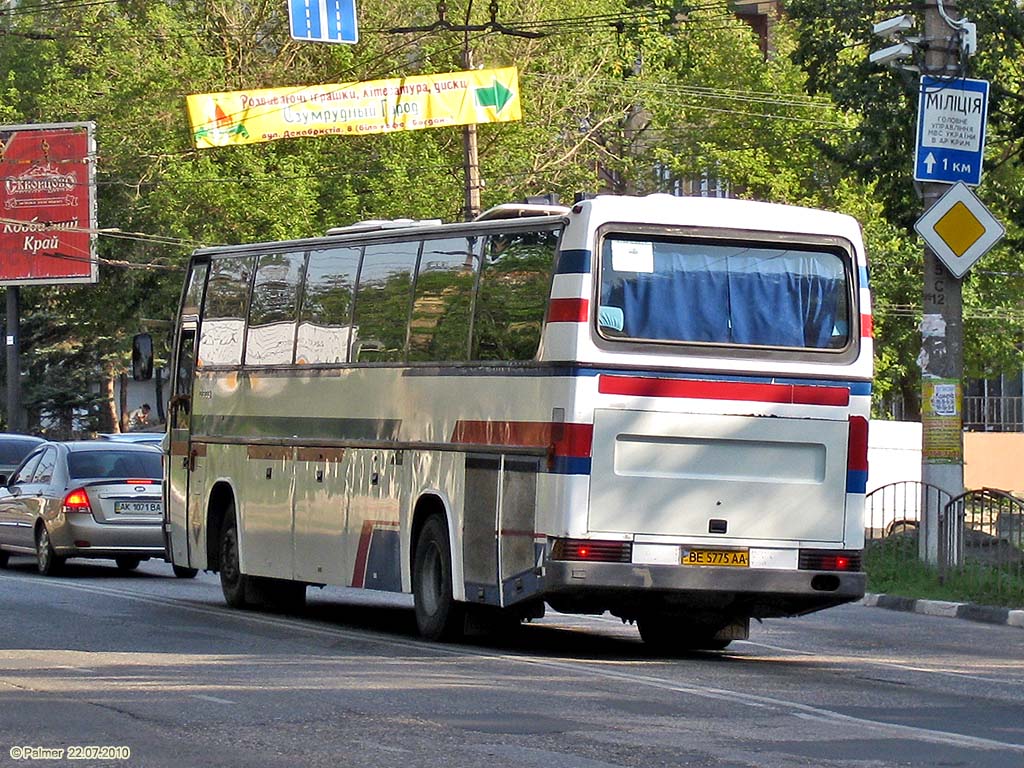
(221, 504)
(438, 615)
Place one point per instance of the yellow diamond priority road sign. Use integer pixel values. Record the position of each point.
(959, 228)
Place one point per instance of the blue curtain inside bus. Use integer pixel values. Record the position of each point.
(732, 295)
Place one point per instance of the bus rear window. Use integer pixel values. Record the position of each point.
(736, 293)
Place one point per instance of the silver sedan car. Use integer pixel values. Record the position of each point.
(84, 499)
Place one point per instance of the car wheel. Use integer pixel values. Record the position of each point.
(233, 583)
(438, 615)
(127, 563)
(182, 572)
(4, 557)
(48, 561)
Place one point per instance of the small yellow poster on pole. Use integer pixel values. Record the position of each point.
(942, 417)
(355, 109)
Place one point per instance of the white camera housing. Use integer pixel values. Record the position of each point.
(893, 26)
(892, 54)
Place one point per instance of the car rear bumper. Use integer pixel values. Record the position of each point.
(87, 538)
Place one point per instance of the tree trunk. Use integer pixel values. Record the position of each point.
(123, 402)
(108, 413)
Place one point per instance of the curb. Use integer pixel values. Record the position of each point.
(984, 613)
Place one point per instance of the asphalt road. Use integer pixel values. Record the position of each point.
(160, 666)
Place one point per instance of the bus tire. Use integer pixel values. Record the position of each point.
(233, 583)
(181, 572)
(672, 636)
(438, 615)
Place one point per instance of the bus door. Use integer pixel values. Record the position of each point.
(181, 482)
(181, 459)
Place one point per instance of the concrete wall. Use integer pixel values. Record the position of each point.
(894, 452)
(994, 460)
(991, 459)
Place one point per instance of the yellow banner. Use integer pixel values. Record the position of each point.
(355, 109)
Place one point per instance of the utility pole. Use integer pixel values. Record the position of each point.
(470, 154)
(942, 333)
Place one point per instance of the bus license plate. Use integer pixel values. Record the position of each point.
(735, 558)
(138, 507)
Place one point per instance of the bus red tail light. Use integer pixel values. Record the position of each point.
(830, 560)
(592, 550)
(77, 502)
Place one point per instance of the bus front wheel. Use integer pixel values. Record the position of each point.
(438, 615)
(233, 583)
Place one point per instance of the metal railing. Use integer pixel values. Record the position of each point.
(979, 540)
(994, 414)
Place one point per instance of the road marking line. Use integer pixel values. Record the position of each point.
(717, 694)
(214, 699)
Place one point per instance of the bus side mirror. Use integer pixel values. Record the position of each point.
(142, 357)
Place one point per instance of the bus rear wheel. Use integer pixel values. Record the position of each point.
(671, 635)
(438, 615)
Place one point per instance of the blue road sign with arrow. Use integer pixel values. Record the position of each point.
(323, 21)
(951, 118)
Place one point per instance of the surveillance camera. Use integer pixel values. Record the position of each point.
(892, 54)
(890, 27)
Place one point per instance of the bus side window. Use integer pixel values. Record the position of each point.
(220, 335)
(382, 301)
(514, 285)
(443, 299)
(326, 314)
(270, 337)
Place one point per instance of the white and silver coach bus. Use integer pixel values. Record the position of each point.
(651, 406)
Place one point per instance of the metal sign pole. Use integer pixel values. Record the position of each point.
(15, 416)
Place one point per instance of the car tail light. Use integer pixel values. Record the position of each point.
(593, 551)
(138, 481)
(830, 560)
(77, 502)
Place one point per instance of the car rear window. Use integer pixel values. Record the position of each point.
(114, 464)
(13, 451)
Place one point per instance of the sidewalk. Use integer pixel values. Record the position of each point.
(984, 613)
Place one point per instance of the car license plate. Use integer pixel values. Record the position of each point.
(735, 558)
(138, 507)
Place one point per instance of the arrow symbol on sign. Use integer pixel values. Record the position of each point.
(929, 162)
(496, 96)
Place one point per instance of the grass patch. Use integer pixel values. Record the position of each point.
(893, 568)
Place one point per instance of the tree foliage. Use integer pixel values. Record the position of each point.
(634, 95)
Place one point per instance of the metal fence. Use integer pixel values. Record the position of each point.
(977, 549)
(994, 414)
(981, 542)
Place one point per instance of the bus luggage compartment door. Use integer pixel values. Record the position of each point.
(672, 474)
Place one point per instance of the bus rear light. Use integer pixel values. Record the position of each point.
(77, 502)
(829, 560)
(592, 550)
(857, 448)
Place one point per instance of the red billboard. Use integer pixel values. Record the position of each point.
(47, 204)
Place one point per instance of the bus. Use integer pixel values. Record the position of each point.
(651, 406)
